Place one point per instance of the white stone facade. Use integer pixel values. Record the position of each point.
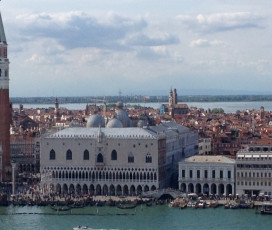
(207, 175)
(254, 171)
(110, 161)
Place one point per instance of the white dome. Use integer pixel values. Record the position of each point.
(95, 120)
(123, 117)
(114, 123)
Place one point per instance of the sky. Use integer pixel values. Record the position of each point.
(101, 47)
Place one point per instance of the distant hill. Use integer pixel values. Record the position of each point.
(140, 99)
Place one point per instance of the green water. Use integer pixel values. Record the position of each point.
(144, 218)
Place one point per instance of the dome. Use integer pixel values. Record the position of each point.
(95, 120)
(123, 117)
(114, 123)
(120, 105)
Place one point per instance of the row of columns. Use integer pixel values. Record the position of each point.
(216, 189)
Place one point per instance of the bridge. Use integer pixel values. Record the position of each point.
(163, 193)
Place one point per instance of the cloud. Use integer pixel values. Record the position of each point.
(143, 40)
(77, 29)
(205, 43)
(221, 21)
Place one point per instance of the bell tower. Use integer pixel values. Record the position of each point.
(5, 115)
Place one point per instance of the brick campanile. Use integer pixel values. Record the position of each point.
(5, 115)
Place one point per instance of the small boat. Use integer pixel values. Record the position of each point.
(266, 209)
(82, 228)
(183, 205)
(201, 204)
(127, 206)
(227, 205)
(60, 208)
(214, 204)
(148, 203)
(233, 206)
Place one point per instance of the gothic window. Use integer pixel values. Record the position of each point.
(99, 158)
(148, 158)
(69, 155)
(52, 155)
(86, 155)
(114, 155)
(130, 158)
(6, 73)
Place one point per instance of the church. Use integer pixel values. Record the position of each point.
(110, 157)
(173, 107)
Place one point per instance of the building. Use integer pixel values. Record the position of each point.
(173, 107)
(254, 170)
(114, 160)
(5, 112)
(25, 151)
(205, 146)
(207, 175)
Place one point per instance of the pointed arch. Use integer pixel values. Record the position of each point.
(52, 155)
(114, 155)
(99, 158)
(69, 155)
(86, 155)
(148, 158)
(130, 158)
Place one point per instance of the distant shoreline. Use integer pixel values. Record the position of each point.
(140, 99)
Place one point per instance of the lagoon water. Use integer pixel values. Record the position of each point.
(229, 107)
(143, 218)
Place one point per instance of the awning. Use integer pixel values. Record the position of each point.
(256, 156)
(248, 156)
(240, 155)
(263, 155)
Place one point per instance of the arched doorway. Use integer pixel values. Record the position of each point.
(118, 190)
(221, 189)
(229, 190)
(125, 190)
(65, 189)
(198, 188)
(206, 189)
(98, 190)
(139, 190)
(153, 188)
(85, 189)
(191, 188)
(105, 190)
(71, 189)
(146, 188)
(112, 190)
(58, 189)
(92, 190)
(213, 189)
(78, 189)
(132, 190)
(183, 187)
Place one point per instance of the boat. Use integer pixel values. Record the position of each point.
(266, 208)
(201, 204)
(127, 205)
(233, 206)
(60, 208)
(227, 205)
(213, 204)
(82, 228)
(183, 205)
(148, 203)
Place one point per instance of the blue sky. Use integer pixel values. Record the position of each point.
(98, 47)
